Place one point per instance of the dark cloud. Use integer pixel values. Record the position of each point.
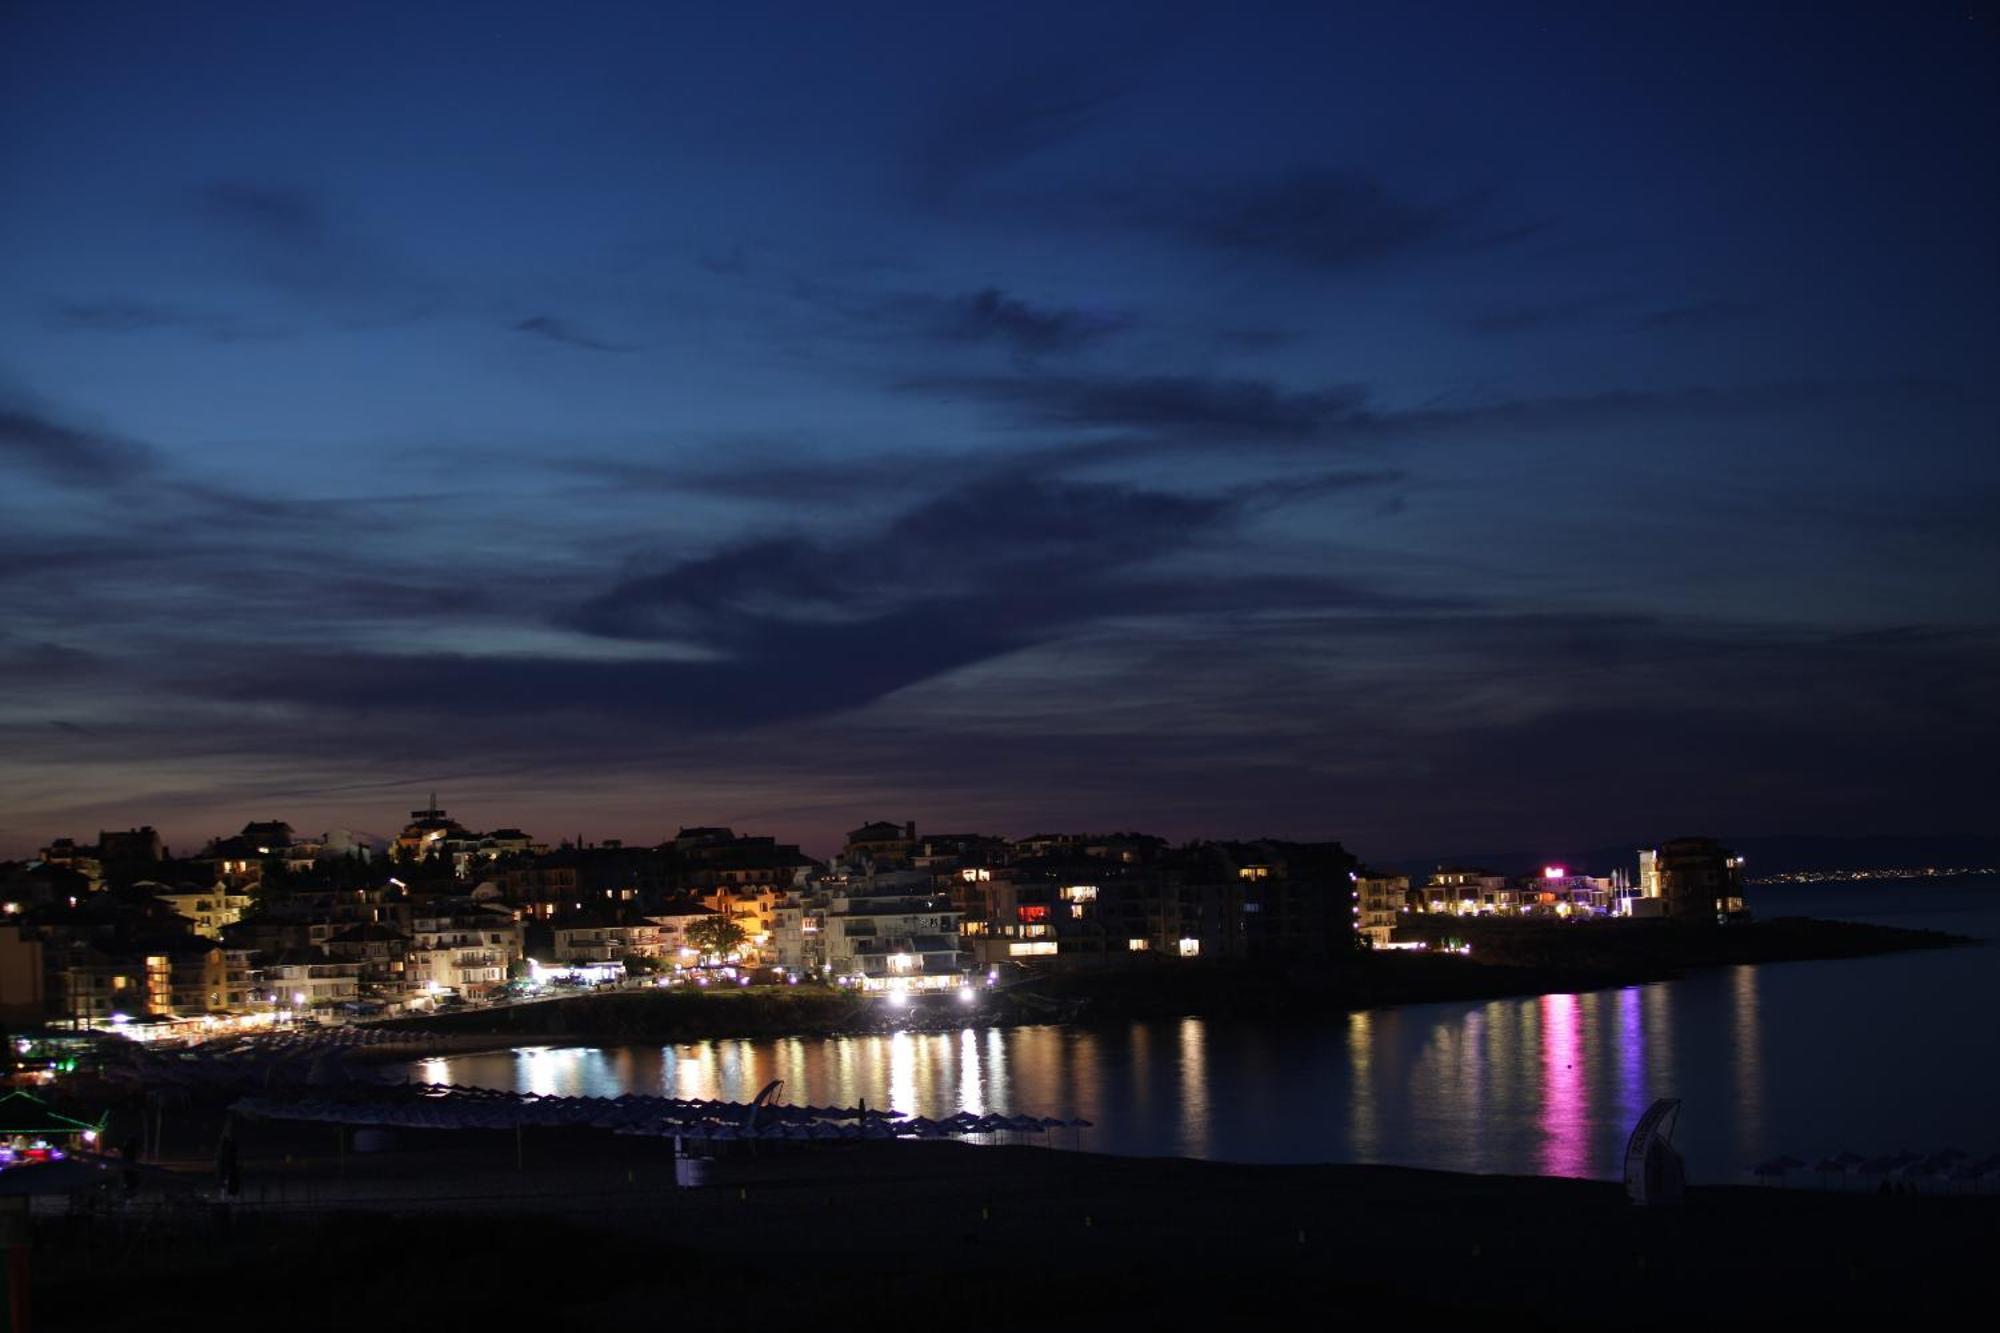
(1058, 536)
(118, 316)
(731, 263)
(992, 315)
(1128, 419)
(1536, 315)
(785, 628)
(66, 454)
(1316, 217)
(559, 331)
(284, 214)
(1697, 314)
(1183, 405)
(1257, 340)
(290, 239)
(989, 128)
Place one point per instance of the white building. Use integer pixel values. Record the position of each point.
(896, 941)
(463, 947)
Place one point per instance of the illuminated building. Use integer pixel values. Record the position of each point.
(884, 939)
(208, 911)
(307, 979)
(1466, 892)
(1698, 879)
(463, 947)
(427, 832)
(1378, 901)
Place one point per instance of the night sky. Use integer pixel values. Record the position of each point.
(1411, 424)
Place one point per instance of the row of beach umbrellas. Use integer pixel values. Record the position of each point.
(1946, 1164)
(431, 1106)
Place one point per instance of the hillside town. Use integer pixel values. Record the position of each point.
(270, 926)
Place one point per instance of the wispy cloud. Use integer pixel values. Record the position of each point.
(137, 317)
(896, 604)
(67, 454)
(1697, 314)
(554, 330)
(1318, 217)
(987, 128)
(1180, 405)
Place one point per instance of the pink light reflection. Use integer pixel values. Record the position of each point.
(1565, 1149)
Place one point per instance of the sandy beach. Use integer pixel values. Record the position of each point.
(580, 1229)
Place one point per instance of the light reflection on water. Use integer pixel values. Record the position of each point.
(1806, 1058)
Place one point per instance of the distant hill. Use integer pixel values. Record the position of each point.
(1762, 856)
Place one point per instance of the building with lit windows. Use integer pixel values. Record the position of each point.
(1697, 878)
(882, 939)
(1379, 900)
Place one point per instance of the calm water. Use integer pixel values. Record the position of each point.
(1875, 1055)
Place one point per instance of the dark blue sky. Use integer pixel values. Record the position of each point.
(1425, 425)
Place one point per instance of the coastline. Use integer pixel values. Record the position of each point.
(1509, 960)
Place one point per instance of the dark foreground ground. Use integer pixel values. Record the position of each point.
(586, 1231)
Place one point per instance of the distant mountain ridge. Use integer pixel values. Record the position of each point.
(1762, 856)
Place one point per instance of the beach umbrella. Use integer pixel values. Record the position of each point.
(1788, 1162)
(1770, 1169)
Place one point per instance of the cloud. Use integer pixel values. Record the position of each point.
(1317, 217)
(731, 263)
(991, 315)
(288, 238)
(284, 214)
(1532, 315)
(1181, 405)
(127, 316)
(1171, 412)
(557, 331)
(788, 627)
(984, 130)
(66, 454)
(1696, 315)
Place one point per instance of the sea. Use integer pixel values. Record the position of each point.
(1875, 1056)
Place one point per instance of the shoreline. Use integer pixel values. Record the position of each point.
(1510, 960)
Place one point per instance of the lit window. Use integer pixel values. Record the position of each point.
(1023, 949)
(1189, 948)
(1138, 946)
(1080, 893)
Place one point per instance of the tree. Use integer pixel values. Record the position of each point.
(716, 936)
